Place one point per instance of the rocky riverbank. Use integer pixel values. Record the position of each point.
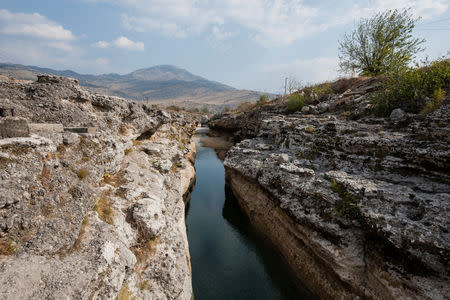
(94, 215)
(358, 206)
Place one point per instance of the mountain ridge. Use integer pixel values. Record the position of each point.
(160, 84)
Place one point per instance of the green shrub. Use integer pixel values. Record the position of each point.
(408, 89)
(347, 206)
(321, 91)
(435, 103)
(262, 100)
(317, 93)
(309, 129)
(439, 95)
(296, 102)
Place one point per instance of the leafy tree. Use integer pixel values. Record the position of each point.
(380, 44)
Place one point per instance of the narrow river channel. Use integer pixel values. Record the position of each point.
(229, 259)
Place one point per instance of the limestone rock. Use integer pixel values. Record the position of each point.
(397, 115)
(358, 208)
(148, 214)
(84, 215)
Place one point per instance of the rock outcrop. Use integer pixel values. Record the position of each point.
(93, 215)
(358, 208)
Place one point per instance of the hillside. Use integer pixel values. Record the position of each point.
(157, 84)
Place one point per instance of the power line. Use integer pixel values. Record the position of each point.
(432, 29)
(437, 21)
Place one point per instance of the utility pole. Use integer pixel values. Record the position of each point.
(285, 85)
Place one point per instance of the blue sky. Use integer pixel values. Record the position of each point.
(251, 44)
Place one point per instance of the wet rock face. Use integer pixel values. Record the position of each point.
(87, 216)
(368, 199)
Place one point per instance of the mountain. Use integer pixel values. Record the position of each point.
(159, 84)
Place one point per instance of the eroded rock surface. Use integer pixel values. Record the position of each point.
(358, 208)
(93, 216)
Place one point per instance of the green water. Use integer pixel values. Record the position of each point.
(229, 259)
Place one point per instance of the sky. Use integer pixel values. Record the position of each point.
(248, 44)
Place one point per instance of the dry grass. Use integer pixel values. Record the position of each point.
(5, 161)
(7, 246)
(77, 245)
(143, 285)
(176, 166)
(103, 207)
(125, 293)
(15, 149)
(61, 151)
(122, 129)
(342, 84)
(45, 177)
(245, 106)
(115, 180)
(128, 151)
(83, 173)
(145, 249)
(47, 211)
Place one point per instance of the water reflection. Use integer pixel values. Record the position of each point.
(229, 259)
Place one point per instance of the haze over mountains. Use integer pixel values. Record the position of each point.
(162, 84)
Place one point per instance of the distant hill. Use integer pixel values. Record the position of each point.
(159, 84)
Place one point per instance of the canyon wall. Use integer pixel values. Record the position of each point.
(358, 208)
(94, 215)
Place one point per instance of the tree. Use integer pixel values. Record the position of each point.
(292, 84)
(380, 44)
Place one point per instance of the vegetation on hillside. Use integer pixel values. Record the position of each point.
(263, 99)
(380, 44)
(296, 102)
(414, 89)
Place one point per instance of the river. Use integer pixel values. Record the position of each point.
(229, 259)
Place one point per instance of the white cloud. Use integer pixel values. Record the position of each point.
(269, 22)
(121, 42)
(420, 8)
(33, 39)
(124, 43)
(101, 44)
(32, 25)
(35, 29)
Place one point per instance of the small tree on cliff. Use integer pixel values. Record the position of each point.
(380, 44)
